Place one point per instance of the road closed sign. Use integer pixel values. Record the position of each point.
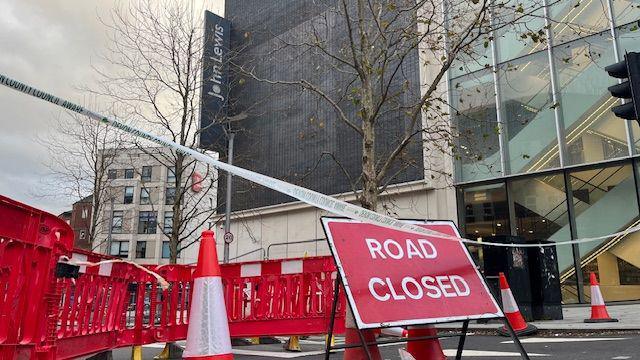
(395, 278)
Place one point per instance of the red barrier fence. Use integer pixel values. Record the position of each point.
(117, 304)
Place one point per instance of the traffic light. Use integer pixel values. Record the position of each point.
(628, 90)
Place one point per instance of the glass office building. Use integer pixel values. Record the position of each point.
(549, 160)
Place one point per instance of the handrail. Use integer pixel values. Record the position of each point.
(249, 253)
(290, 243)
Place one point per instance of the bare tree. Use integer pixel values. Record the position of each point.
(368, 48)
(154, 72)
(81, 152)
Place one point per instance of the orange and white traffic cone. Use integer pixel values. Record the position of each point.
(512, 312)
(428, 349)
(599, 311)
(208, 332)
(395, 331)
(351, 337)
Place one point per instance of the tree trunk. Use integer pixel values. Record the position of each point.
(369, 196)
(177, 209)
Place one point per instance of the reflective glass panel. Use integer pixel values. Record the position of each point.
(593, 133)
(605, 202)
(486, 213)
(528, 114)
(573, 19)
(626, 11)
(541, 213)
(520, 28)
(474, 115)
(474, 47)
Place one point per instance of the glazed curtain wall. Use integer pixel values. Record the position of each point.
(541, 155)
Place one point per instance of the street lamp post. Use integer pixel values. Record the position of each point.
(227, 219)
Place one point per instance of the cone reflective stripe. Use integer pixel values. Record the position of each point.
(512, 312)
(599, 311)
(351, 337)
(208, 332)
(429, 349)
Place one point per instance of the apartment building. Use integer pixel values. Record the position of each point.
(137, 217)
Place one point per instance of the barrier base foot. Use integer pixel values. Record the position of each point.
(529, 330)
(105, 355)
(293, 344)
(600, 320)
(170, 351)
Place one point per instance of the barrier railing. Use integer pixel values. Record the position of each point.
(280, 297)
(117, 304)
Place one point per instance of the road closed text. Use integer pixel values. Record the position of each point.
(409, 287)
(434, 287)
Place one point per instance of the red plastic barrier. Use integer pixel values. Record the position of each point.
(281, 297)
(117, 304)
(30, 243)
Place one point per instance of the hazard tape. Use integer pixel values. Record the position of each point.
(310, 197)
(105, 266)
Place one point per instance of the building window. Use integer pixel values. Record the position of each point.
(167, 224)
(116, 222)
(145, 198)
(112, 174)
(528, 114)
(475, 116)
(128, 195)
(119, 249)
(146, 173)
(147, 222)
(165, 250)
(170, 196)
(85, 213)
(82, 234)
(141, 249)
(128, 173)
(171, 175)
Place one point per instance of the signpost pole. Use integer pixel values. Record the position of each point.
(227, 215)
(332, 319)
(516, 341)
(463, 337)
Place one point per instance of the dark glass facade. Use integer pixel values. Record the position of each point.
(290, 133)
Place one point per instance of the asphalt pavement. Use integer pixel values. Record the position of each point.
(478, 347)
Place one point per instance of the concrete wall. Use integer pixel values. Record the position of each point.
(273, 229)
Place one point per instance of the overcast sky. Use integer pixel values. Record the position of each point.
(49, 45)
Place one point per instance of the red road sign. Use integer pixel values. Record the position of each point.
(395, 278)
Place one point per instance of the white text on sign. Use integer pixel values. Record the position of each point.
(435, 287)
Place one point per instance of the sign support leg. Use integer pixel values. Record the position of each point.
(334, 306)
(463, 337)
(515, 338)
(364, 343)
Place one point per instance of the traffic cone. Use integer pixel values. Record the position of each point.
(599, 311)
(351, 337)
(428, 349)
(208, 332)
(512, 312)
(395, 331)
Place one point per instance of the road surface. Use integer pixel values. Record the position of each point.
(614, 347)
